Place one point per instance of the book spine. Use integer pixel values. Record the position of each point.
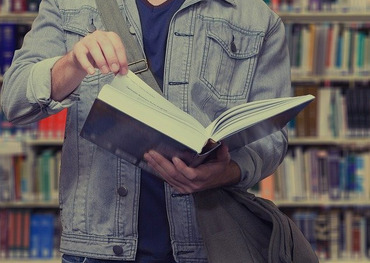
(4, 233)
(7, 44)
(33, 5)
(18, 6)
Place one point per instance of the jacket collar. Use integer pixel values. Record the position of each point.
(232, 2)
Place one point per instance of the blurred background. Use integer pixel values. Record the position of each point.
(323, 184)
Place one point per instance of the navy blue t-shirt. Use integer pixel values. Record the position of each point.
(154, 244)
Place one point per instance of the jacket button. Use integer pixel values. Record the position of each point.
(118, 250)
(122, 191)
(132, 30)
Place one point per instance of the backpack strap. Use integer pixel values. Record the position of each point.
(113, 21)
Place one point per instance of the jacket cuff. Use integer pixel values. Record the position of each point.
(39, 87)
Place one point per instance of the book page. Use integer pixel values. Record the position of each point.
(248, 114)
(135, 87)
(141, 102)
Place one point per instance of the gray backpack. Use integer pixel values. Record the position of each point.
(239, 227)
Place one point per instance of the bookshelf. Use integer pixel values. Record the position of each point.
(29, 147)
(30, 198)
(345, 215)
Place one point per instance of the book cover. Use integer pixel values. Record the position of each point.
(334, 232)
(60, 122)
(33, 5)
(26, 225)
(46, 236)
(129, 108)
(323, 174)
(324, 107)
(11, 233)
(6, 178)
(301, 118)
(322, 234)
(21, 31)
(7, 44)
(333, 161)
(19, 6)
(41, 236)
(267, 188)
(3, 233)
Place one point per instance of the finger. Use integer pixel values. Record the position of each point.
(97, 55)
(187, 172)
(167, 170)
(223, 153)
(120, 52)
(102, 51)
(80, 52)
(107, 47)
(151, 161)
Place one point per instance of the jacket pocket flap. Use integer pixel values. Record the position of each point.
(236, 42)
(81, 21)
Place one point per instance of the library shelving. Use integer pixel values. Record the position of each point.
(30, 148)
(29, 208)
(32, 202)
(332, 211)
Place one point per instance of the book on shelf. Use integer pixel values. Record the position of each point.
(302, 6)
(326, 174)
(7, 44)
(52, 127)
(19, 6)
(6, 178)
(42, 236)
(26, 234)
(333, 49)
(336, 234)
(129, 108)
(337, 112)
(31, 178)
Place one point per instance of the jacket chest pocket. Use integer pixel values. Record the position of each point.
(229, 59)
(80, 22)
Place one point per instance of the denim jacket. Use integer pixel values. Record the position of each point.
(220, 53)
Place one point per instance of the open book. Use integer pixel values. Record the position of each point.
(128, 118)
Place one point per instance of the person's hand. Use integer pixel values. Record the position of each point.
(214, 173)
(103, 50)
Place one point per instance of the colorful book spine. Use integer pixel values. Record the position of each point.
(7, 44)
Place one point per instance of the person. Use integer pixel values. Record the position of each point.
(208, 56)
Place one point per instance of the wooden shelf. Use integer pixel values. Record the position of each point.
(44, 142)
(30, 204)
(11, 147)
(323, 203)
(309, 17)
(26, 17)
(56, 260)
(318, 79)
(17, 147)
(346, 142)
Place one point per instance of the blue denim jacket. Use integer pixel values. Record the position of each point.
(220, 53)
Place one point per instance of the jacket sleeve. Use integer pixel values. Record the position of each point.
(272, 79)
(25, 94)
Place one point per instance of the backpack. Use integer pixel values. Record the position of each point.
(239, 227)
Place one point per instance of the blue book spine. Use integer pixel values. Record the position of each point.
(42, 236)
(7, 44)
